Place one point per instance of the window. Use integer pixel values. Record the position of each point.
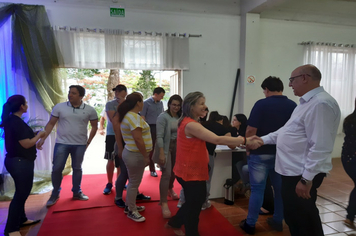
(338, 68)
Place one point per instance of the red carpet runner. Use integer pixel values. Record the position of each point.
(99, 215)
(93, 186)
(112, 221)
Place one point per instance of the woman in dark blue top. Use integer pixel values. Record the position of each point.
(348, 158)
(20, 143)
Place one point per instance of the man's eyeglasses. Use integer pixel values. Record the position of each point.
(292, 78)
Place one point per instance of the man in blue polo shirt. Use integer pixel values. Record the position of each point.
(152, 107)
(72, 138)
(267, 115)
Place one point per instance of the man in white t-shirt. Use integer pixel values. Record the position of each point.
(72, 117)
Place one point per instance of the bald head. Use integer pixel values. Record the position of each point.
(310, 70)
(305, 78)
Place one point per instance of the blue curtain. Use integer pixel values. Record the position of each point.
(16, 77)
(34, 49)
(7, 87)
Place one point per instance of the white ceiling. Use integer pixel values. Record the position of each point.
(339, 12)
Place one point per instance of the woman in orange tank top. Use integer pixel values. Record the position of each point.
(191, 168)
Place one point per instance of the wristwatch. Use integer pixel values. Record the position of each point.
(304, 181)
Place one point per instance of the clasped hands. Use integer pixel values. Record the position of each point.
(254, 142)
(42, 135)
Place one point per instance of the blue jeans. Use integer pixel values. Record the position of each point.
(121, 179)
(260, 166)
(21, 170)
(60, 155)
(242, 168)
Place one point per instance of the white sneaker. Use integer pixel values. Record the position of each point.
(180, 203)
(206, 205)
(135, 216)
(138, 208)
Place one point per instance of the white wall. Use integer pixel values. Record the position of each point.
(213, 57)
(280, 51)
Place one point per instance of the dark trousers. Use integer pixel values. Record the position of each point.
(188, 214)
(235, 158)
(153, 136)
(121, 179)
(350, 168)
(301, 215)
(268, 198)
(21, 170)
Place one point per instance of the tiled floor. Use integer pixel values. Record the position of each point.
(335, 188)
(334, 196)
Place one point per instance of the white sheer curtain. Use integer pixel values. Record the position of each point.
(108, 49)
(338, 68)
(15, 82)
(81, 49)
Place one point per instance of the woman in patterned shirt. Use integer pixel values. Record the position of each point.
(138, 144)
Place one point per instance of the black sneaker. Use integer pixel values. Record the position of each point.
(138, 208)
(107, 189)
(143, 197)
(52, 200)
(135, 216)
(120, 203)
(248, 229)
(80, 196)
(274, 225)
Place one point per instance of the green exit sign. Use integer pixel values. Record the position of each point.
(117, 12)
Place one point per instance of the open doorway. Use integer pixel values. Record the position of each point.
(99, 84)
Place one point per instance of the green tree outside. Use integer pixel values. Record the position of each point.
(146, 83)
(130, 78)
(96, 83)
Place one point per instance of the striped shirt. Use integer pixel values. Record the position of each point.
(130, 122)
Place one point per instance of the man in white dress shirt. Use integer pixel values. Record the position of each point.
(304, 147)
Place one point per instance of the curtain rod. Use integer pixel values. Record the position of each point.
(327, 44)
(127, 32)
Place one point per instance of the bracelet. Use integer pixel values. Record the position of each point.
(245, 140)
